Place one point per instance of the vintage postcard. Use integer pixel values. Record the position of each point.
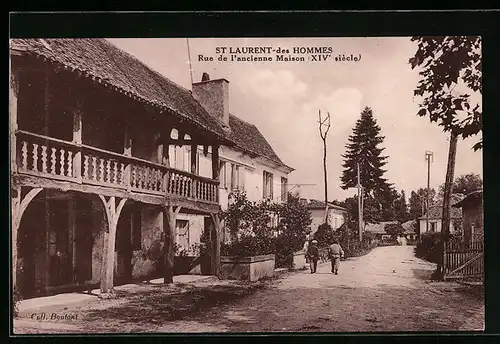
(220, 185)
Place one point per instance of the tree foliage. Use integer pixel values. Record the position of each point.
(401, 208)
(465, 184)
(266, 228)
(444, 63)
(417, 202)
(394, 229)
(324, 235)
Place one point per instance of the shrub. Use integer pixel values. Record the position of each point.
(429, 248)
(249, 245)
(250, 224)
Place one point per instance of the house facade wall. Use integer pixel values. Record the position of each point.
(455, 226)
(335, 218)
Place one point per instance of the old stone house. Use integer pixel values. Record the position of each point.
(96, 188)
(249, 164)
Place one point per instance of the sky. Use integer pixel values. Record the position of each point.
(283, 99)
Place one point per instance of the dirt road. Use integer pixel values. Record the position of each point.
(386, 290)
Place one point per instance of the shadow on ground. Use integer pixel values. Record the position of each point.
(158, 306)
(422, 274)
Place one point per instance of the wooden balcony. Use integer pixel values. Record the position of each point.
(47, 157)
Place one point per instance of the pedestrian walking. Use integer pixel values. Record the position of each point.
(335, 252)
(313, 255)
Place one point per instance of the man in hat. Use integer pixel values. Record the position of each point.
(313, 255)
(335, 252)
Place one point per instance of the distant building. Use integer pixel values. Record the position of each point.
(435, 218)
(337, 215)
(473, 218)
(410, 229)
(378, 229)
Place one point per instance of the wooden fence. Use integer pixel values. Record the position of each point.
(463, 260)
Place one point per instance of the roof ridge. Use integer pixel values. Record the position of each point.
(242, 120)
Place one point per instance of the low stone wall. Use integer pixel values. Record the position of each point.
(247, 268)
(299, 260)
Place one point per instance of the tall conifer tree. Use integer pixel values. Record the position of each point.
(363, 147)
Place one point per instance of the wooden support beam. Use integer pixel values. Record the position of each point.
(127, 148)
(108, 255)
(194, 160)
(19, 205)
(215, 235)
(169, 229)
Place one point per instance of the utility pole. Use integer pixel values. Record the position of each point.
(360, 206)
(429, 157)
(323, 133)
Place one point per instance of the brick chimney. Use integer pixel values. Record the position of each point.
(213, 95)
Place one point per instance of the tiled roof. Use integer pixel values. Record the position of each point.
(315, 204)
(378, 228)
(409, 226)
(103, 62)
(436, 212)
(473, 198)
(248, 137)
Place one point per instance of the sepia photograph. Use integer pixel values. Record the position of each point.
(246, 185)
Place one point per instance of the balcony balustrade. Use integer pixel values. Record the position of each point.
(53, 158)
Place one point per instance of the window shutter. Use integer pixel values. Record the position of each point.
(271, 185)
(264, 185)
(233, 177)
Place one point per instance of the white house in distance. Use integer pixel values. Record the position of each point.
(337, 215)
(250, 165)
(435, 217)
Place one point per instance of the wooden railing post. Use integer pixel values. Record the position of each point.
(77, 139)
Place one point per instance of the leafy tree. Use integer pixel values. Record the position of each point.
(394, 229)
(363, 148)
(253, 234)
(401, 209)
(324, 235)
(371, 211)
(417, 202)
(465, 184)
(444, 63)
(387, 200)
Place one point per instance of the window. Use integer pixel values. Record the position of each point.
(237, 175)
(267, 185)
(284, 189)
(432, 226)
(182, 234)
(135, 230)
